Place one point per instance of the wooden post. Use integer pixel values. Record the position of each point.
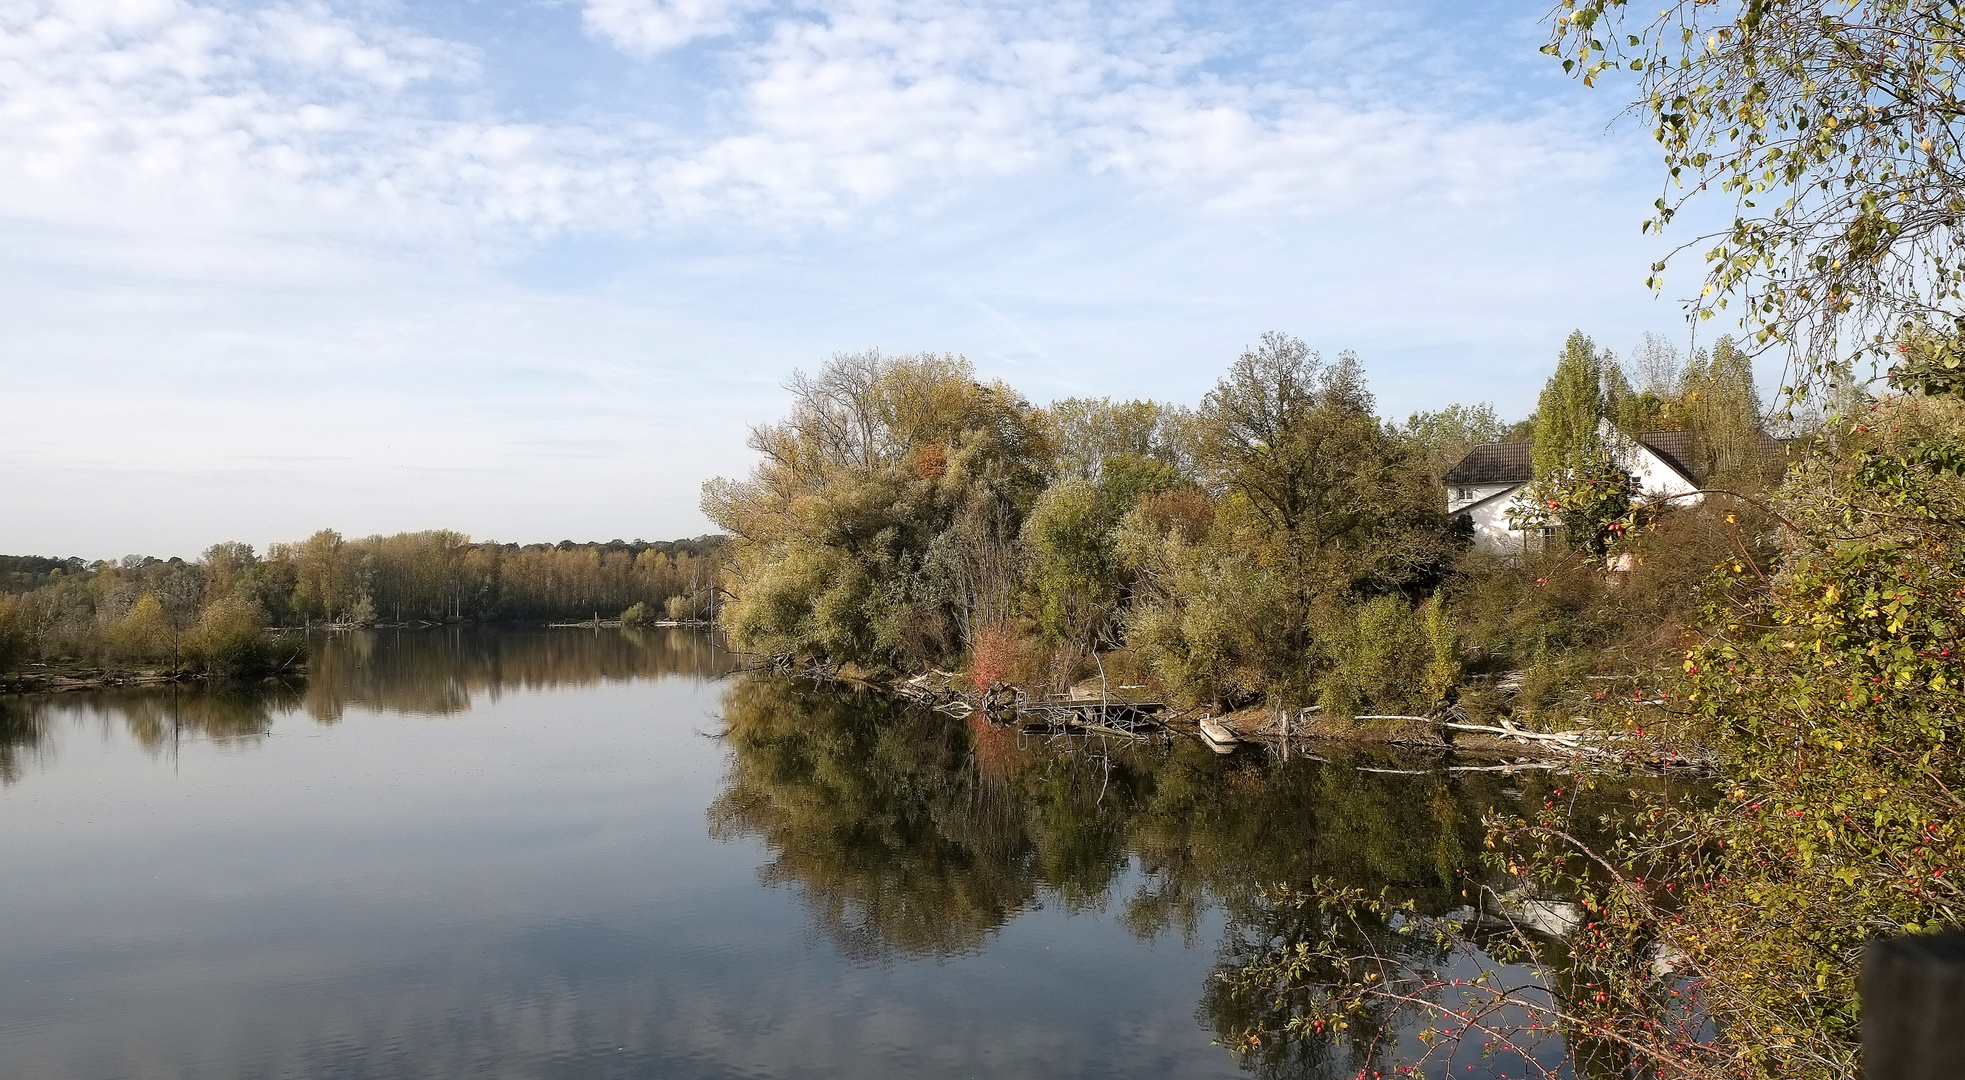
(1914, 1008)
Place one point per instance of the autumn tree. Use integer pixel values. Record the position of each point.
(835, 530)
(1088, 432)
(1318, 506)
(1442, 437)
(1722, 410)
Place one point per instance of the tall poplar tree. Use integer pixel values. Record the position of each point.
(1723, 412)
(1569, 411)
(1576, 485)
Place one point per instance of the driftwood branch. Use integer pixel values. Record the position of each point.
(1571, 739)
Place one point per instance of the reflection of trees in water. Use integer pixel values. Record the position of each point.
(875, 812)
(423, 672)
(152, 717)
(437, 672)
(909, 833)
(1275, 923)
(23, 730)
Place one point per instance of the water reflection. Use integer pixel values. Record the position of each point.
(440, 672)
(908, 833)
(23, 729)
(430, 672)
(529, 890)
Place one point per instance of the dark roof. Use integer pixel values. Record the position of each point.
(1676, 448)
(1494, 463)
(1511, 462)
(1681, 453)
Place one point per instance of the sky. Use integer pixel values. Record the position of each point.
(528, 269)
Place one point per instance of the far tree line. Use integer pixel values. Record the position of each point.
(211, 612)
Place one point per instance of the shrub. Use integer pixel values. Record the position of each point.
(993, 657)
(230, 637)
(638, 614)
(1383, 659)
(1443, 639)
(142, 634)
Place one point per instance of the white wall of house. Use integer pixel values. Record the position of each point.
(1488, 504)
(1656, 480)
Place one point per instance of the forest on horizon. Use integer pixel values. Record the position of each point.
(213, 612)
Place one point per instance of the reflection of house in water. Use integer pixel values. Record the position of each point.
(1662, 464)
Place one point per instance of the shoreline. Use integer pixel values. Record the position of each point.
(68, 678)
(1259, 726)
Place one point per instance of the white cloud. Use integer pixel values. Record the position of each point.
(295, 119)
(1312, 155)
(168, 114)
(653, 26)
(854, 101)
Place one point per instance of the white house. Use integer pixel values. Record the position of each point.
(1485, 482)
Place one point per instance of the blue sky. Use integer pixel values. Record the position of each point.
(528, 269)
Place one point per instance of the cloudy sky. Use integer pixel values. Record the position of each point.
(527, 268)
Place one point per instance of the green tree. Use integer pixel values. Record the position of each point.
(1073, 571)
(1577, 484)
(1571, 409)
(1318, 505)
(1378, 649)
(1443, 437)
(845, 535)
(1722, 410)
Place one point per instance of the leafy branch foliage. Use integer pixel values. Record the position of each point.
(1833, 127)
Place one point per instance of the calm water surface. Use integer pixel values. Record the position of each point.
(460, 853)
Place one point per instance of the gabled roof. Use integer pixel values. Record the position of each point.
(1675, 447)
(1494, 463)
(1511, 462)
(1696, 463)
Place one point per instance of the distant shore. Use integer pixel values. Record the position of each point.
(46, 678)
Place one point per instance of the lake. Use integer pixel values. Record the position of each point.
(571, 853)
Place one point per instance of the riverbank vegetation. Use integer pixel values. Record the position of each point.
(1279, 548)
(1278, 544)
(1822, 672)
(214, 615)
